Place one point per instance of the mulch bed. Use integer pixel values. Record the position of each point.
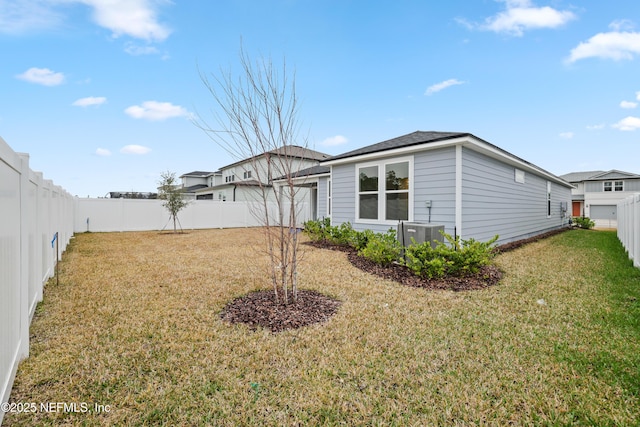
(260, 309)
(488, 275)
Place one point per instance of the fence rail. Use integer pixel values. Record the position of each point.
(33, 210)
(629, 226)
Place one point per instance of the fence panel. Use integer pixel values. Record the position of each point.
(32, 210)
(629, 226)
(106, 215)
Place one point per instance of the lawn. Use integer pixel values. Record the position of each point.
(134, 328)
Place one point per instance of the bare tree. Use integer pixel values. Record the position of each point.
(170, 192)
(256, 120)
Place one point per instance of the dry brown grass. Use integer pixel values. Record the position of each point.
(134, 324)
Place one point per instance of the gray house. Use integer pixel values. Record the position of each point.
(596, 194)
(472, 187)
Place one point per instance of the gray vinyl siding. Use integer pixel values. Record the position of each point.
(598, 186)
(494, 203)
(434, 174)
(344, 193)
(322, 197)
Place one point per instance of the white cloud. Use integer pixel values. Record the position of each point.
(103, 152)
(595, 127)
(90, 100)
(134, 18)
(136, 50)
(522, 15)
(638, 96)
(613, 45)
(135, 149)
(628, 104)
(334, 140)
(19, 17)
(154, 110)
(442, 85)
(622, 25)
(566, 135)
(628, 124)
(42, 76)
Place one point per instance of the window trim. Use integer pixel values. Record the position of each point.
(548, 199)
(382, 192)
(329, 198)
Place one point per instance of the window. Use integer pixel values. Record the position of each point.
(246, 174)
(229, 178)
(329, 198)
(385, 199)
(613, 186)
(548, 198)
(519, 176)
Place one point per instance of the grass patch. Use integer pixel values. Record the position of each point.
(134, 324)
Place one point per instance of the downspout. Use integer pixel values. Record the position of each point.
(234, 191)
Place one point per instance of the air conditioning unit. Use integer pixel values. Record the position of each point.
(420, 232)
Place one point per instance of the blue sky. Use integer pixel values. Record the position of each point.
(101, 93)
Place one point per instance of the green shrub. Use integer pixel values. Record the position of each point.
(359, 239)
(584, 222)
(381, 248)
(318, 230)
(341, 234)
(457, 258)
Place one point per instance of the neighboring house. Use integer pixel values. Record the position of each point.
(131, 195)
(195, 181)
(474, 188)
(241, 181)
(597, 193)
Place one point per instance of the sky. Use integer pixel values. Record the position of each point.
(102, 94)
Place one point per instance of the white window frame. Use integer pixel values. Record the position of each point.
(604, 186)
(246, 174)
(329, 198)
(615, 185)
(519, 176)
(548, 199)
(382, 193)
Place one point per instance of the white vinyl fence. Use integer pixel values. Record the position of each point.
(37, 221)
(33, 212)
(629, 226)
(103, 215)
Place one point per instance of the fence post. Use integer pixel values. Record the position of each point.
(24, 255)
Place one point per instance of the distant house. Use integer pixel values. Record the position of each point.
(195, 181)
(597, 193)
(472, 187)
(240, 181)
(131, 195)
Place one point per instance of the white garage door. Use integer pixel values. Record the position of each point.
(604, 212)
(605, 216)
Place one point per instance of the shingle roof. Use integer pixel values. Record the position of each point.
(192, 188)
(197, 173)
(313, 170)
(288, 150)
(597, 175)
(415, 138)
(579, 176)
